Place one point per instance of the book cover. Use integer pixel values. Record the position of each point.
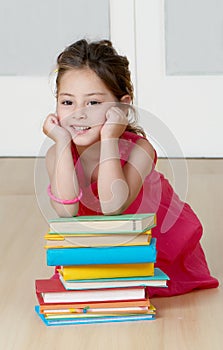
(69, 321)
(158, 280)
(104, 223)
(102, 255)
(83, 272)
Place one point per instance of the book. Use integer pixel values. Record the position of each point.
(158, 280)
(95, 305)
(86, 320)
(80, 312)
(82, 272)
(53, 291)
(102, 255)
(103, 223)
(94, 240)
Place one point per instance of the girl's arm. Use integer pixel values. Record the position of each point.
(119, 186)
(61, 170)
(63, 179)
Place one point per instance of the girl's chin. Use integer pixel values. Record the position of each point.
(79, 133)
(85, 137)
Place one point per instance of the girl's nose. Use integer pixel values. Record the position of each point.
(79, 115)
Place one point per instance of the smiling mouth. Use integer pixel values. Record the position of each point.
(80, 128)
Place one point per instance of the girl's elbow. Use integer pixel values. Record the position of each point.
(118, 202)
(108, 210)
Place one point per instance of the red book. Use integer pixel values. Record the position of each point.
(52, 291)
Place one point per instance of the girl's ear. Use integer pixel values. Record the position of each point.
(126, 99)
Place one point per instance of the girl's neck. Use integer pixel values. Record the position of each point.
(89, 157)
(90, 152)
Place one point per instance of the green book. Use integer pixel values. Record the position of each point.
(103, 223)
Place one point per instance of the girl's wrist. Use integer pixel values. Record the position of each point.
(63, 142)
(64, 201)
(107, 137)
(109, 149)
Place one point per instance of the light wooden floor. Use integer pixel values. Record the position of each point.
(189, 322)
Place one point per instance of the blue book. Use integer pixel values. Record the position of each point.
(86, 320)
(102, 255)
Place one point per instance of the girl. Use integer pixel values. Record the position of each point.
(102, 163)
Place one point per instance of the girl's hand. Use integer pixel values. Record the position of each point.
(115, 125)
(54, 130)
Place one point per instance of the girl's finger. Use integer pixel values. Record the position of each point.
(54, 120)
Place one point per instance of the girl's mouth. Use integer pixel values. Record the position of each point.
(80, 128)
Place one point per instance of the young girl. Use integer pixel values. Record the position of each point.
(102, 163)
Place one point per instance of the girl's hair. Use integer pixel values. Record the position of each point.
(102, 58)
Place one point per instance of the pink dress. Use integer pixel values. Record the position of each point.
(178, 230)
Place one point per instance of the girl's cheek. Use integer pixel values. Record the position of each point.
(96, 117)
(60, 118)
(99, 121)
(63, 121)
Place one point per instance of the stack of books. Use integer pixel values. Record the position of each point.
(105, 266)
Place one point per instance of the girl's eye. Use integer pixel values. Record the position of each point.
(67, 103)
(92, 103)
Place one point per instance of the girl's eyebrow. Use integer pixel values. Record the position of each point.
(96, 93)
(89, 94)
(65, 94)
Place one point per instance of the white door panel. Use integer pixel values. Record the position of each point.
(190, 106)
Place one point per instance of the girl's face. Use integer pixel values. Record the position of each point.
(81, 106)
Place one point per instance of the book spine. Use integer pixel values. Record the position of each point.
(134, 225)
(108, 255)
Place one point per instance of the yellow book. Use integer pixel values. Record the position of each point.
(107, 271)
(79, 240)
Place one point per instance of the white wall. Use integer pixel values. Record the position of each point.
(25, 102)
(32, 35)
(191, 106)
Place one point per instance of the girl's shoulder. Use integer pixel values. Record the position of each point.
(130, 139)
(131, 136)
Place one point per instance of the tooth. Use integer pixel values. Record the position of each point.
(81, 127)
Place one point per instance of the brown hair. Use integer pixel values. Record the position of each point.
(110, 67)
